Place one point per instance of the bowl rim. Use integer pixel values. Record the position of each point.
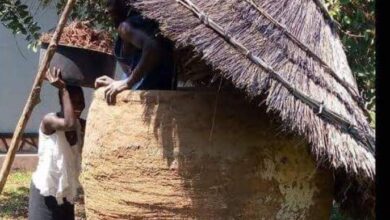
(83, 48)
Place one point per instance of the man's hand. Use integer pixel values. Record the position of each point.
(103, 81)
(113, 89)
(54, 78)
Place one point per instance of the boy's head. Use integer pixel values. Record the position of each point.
(117, 10)
(76, 97)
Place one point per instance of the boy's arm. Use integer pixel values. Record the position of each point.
(51, 122)
(83, 124)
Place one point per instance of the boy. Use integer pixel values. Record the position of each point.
(55, 182)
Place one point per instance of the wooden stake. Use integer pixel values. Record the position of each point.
(33, 98)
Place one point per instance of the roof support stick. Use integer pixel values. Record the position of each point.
(34, 96)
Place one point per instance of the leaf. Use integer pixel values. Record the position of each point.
(27, 19)
(357, 17)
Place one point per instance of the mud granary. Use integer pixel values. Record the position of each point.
(275, 127)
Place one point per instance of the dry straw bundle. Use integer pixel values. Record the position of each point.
(80, 34)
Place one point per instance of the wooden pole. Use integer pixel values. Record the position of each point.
(33, 98)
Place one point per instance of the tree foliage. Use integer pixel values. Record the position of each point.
(357, 20)
(15, 16)
(356, 17)
(91, 10)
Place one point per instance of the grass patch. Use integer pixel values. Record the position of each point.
(14, 199)
(337, 215)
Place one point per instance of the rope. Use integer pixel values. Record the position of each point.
(308, 51)
(326, 14)
(326, 113)
(215, 110)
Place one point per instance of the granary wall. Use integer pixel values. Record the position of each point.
(196, 155)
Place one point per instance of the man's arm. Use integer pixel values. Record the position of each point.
(150, 58)
(151, 52)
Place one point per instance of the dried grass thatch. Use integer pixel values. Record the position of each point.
(289, 51)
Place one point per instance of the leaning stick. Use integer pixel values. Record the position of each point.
(33, 98)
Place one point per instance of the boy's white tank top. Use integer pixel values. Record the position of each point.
(59, 166)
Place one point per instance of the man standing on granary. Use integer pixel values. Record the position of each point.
(145, 57)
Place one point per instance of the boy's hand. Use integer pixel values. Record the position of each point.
(54, 77)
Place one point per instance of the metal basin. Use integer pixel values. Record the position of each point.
(80, 67)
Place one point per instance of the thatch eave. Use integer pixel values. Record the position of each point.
(289, 73)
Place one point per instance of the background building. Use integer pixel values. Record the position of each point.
(18, 66)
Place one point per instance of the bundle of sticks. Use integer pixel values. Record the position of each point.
(80, 34)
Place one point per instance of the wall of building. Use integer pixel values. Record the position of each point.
(18, 66)
(183, 155)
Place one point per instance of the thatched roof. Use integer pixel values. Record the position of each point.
(289, 51)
